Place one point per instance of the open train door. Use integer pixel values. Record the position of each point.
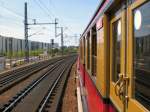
(138, 53)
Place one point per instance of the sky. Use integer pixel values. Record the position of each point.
(73, 15)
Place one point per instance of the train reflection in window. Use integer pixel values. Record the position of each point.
(142, 54)
(116, 44)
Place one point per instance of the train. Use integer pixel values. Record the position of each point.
(8, 44)
(114, 58)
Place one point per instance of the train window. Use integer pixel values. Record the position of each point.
(80, 49)
(88, 51)
(94, 50)
(116, 29)
(84, 49)
(142, 54)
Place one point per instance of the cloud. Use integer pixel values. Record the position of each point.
(11, 31)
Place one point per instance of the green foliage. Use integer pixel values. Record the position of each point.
(20, 54)
(55, 51)
(36, 52)
(70, 50)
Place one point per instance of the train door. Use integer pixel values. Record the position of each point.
(130, 58)
(138, 66)
(117, 60)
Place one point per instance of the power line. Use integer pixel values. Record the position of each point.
(47, 10)
(45, 6)
(51, 4)
(17, 14)
(50, 1)
(13, 12)
(12, 21)
(43, 9)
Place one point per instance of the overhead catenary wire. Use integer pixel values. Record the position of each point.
(43, 9)
(11, 11)
(16, 15)
(10, 20)
(46, 8)
(58, 16)
(14, 12)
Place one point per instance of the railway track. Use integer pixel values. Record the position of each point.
(28, 67)
(43, 90)
(52, 100)
(11, 79)
(18, 70)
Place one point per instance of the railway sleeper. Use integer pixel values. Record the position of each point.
(20, 95)
(53, 103)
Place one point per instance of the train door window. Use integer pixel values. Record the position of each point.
(94, 50)
(116, 29)
(142, 54)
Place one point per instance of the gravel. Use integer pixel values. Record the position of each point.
(69, 102)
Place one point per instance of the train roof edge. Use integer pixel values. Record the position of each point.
(97, 14)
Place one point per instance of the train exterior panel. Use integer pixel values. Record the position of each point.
(94, 99)
(114, 57)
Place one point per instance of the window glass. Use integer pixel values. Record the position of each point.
(142, 54)
(116, 47)
(88, 51)
(94, 51)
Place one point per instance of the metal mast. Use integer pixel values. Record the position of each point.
(26, 33)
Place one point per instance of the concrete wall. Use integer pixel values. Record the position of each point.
(8, 43)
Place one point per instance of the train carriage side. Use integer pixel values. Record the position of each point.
(115, 57)
(94, 64)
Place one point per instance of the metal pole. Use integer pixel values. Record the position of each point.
(56, 27)
(26, 34)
